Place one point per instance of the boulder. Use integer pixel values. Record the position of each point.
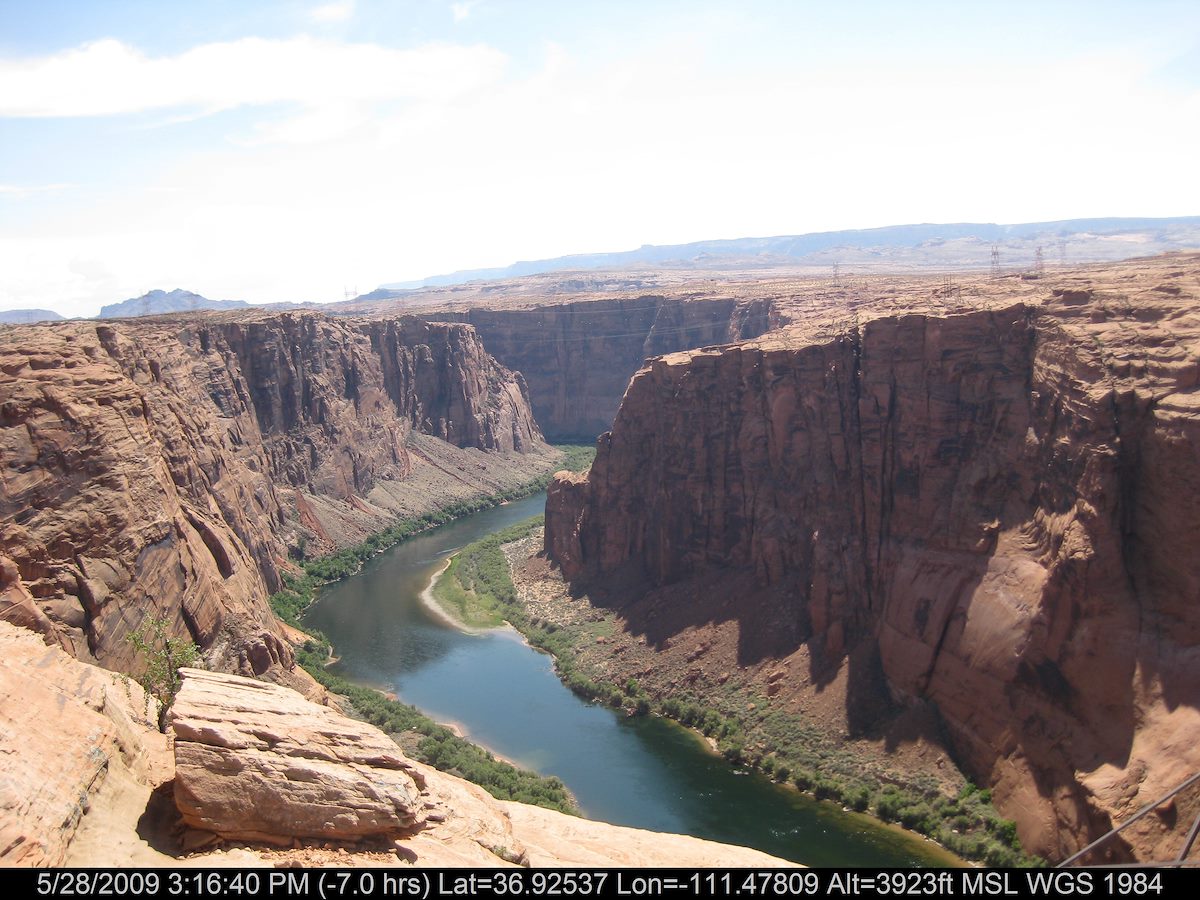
(256, 761)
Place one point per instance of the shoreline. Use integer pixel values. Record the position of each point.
(459, 730)
(440, 612)
(447, 618)
(711, 746)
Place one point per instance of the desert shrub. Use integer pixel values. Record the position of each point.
(1005, 831)
(827, 788)
(161, 657)
(887, 806)
(917, 817)
(733, 751)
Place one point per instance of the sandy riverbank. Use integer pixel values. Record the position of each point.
(438, 611)
(444, 616)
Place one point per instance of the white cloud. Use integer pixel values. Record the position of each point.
(24, 190)
(63, 272)
(333, 12)
(110, 78)
(651, 146)
(462, 10)
(326, 122)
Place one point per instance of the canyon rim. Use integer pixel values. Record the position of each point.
(970, 500)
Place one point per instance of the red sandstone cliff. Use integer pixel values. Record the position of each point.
(994, 508)
(578, 357)
(158, 468)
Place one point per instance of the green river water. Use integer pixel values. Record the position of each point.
(644, 771)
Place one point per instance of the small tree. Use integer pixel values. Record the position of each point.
(163, 657)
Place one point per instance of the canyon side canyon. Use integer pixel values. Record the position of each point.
(977, 497)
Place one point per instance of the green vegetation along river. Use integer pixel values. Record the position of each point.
(640, 771)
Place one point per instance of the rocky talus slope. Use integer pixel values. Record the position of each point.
(256, 776)
(988, 511)
(164, 468)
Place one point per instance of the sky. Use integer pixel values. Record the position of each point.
(293, 151)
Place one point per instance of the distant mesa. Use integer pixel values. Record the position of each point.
(156, 303)
(902, 247)
(382, 293)
(26, 316)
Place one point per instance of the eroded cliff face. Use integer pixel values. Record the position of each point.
(578, 357)
(159, 469)
(994, 508)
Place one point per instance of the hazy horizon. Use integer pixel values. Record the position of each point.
(289, 151)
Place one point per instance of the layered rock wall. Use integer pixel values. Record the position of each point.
(154, 469)
(577, 358)
(997, 503)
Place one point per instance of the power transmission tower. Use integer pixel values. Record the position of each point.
(949, 289)
(1062, 250)
(1039, 262)
(995, 261)
(836, 269)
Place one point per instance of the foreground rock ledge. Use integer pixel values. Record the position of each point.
(254, 761)
(79, 759)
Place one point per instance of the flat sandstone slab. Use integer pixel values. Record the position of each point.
(255, 761)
